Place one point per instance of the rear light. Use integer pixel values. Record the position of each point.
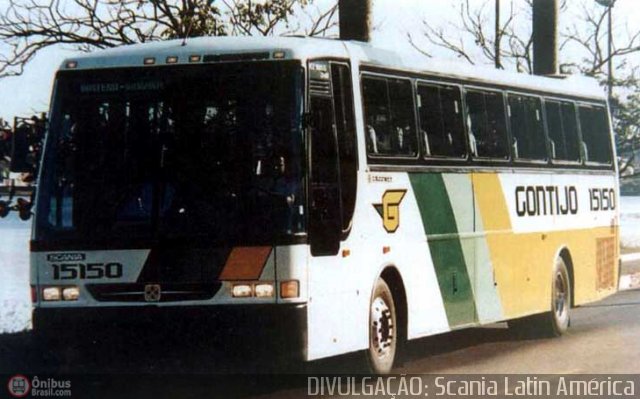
(289, 289)
(51, 294)
(34, 294)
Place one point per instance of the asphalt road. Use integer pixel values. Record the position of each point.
(604, 338)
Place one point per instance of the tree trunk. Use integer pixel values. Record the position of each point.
(355, 19)
(498, 37)
(545, 37)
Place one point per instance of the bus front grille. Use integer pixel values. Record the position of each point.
(136, 292)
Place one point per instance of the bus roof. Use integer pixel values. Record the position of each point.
(246, 48)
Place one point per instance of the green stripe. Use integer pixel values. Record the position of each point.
(448, 259)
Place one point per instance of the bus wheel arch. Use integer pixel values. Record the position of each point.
(392, 277)
(556, 321)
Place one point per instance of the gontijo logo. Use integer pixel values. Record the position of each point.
(19, 386)
(389, 209)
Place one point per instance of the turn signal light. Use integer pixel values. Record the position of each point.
(289, 289)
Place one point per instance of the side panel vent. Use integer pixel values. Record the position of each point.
(605, 263)
(317, 86)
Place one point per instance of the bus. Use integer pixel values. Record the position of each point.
(331, 195)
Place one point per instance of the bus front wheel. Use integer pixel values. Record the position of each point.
(383, 331)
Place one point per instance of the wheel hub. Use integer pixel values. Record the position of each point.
(382, 329)
(560, 303)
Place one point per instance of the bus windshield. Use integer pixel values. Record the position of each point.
(182, 151)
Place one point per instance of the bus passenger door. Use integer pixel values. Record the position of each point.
(334, 324)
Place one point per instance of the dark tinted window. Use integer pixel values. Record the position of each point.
(389, 116)
(184, 153)
(485, 117)
(527, 128)
(345, 124)
(563, 132)
(441, 121)
(594, 126)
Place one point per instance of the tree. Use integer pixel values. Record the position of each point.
(28, 26)
(474, 44)
(584, 40)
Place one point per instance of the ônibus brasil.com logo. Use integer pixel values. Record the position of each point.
(19, 386)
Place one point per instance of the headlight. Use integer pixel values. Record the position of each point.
(70, 293)
(242, 291)
(51, 294)
(264, 290)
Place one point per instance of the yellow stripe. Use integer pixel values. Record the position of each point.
(523, 263)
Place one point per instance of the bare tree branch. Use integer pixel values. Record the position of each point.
(28, 26)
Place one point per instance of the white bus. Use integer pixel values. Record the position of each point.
(346, 197)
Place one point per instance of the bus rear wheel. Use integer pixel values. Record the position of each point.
(560, 300)
(555, 322)
(383, 331)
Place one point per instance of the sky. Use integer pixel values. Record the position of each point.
(393, 19)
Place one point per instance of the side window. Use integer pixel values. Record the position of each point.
(527, 128)
(570, 128)
(594, 126)
(563, 134)
(389, 116)
(441, 121)
(403, 133)
(345, 126)
(376, 110)
(486, 123)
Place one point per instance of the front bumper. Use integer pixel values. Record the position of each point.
(280, 327)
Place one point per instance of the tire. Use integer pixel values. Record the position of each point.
(555, 322)
(383, 332)
(560, 300)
